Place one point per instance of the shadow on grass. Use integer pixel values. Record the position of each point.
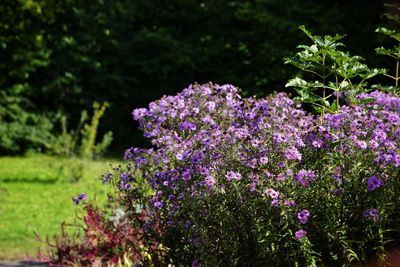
(30, 181)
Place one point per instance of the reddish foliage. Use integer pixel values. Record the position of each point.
(103, 242)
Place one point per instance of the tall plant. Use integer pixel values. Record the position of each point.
(80, 144)
(333, 71)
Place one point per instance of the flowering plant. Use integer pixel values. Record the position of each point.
(259, 181)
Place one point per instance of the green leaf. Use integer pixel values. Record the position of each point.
(390, 33)
(296, 82)
(372, 73)
(394, 52)
(334, 106)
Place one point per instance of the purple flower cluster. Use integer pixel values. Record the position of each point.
(206, 128)
(371, 127)
(231, 175)
(304, 177)
(368, 133)
(208, 139)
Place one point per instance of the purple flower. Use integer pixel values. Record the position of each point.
(204, 171)
(139, 113)
(373, 144)
(274, 202)
(289, 203)
(210, 105)
(300, 234)
(292, 154)
(187, 126)
(371, 213)
(186, 175)
(361, 144)
(181, 156)
(158, 204)
(79, 198)
(373, 182)
(197, 157)
(303, 177)
(272, 193)
(210, 181)
(396, 160)
(231, 175)
(210, 130)
(264, 160)
(303, 216)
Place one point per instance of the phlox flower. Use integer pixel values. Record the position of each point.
(186, 175)
(264, 160)
(231, 175)
(158, 204)
(300, 234)
(303, 177)
(303, 216)
(139, 113)
(272, 193)
(396, 160)
(373, 182)
(361, 144)
(210, 181)
(204, 171)
(292, 154)
(274, 202)
(289, 203)
(210, 105)
(79, 198)
(371, 213)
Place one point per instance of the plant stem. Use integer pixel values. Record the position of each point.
(323, 88)
(397, 73)
(337, 95)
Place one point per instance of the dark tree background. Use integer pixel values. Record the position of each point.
(58, 56)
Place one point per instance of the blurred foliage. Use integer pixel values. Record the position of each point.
(22, 131)
(79, 145)
(62, 55)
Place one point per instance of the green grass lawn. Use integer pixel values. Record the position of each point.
(35, 196)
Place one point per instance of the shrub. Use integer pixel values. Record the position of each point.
(260, 182)
(22, 130)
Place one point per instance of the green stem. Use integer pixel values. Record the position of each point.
(397, 73)
(322, 106)
(337, 94)
(323, 88)
(390, 76)
(315, 73)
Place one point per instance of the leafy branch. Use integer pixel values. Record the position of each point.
(335, 72)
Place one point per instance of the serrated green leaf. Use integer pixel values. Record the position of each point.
(394, 52)
(390, 33)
